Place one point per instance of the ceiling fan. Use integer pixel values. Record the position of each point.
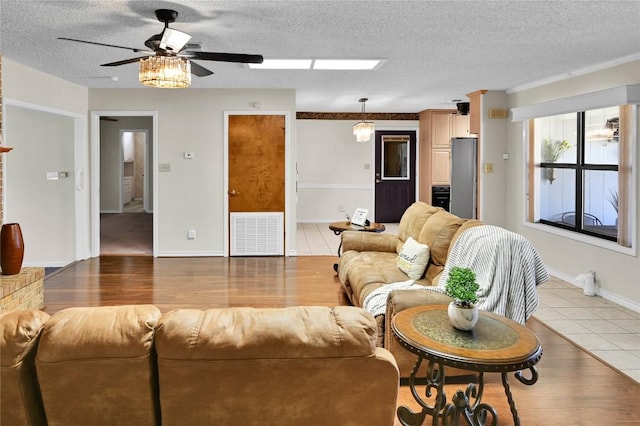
(173, 43)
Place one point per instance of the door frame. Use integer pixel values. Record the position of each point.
(373, 159)
(95, 174)
(289, 218)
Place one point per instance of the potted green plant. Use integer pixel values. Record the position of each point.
(551, 152)
(462, 287)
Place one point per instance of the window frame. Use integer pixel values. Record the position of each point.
(627, 96)
(579, 168)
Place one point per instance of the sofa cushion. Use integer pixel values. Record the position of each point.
(96, 365)
(412, 221)
(413, 258)
(240, 365)
(250, 333)
(20, 401)
(437, 233)
(365, 271)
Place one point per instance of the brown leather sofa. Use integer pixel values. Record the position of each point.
(134, 365)
(368, 262)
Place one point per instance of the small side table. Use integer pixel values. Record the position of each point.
(495, 345)
(339, 227)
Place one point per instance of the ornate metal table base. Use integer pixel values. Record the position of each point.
(466, 404)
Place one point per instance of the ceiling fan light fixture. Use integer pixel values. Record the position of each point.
(165, 72)
(173, 40)
(364, 129)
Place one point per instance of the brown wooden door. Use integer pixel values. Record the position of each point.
(256, 163)
(395, 187)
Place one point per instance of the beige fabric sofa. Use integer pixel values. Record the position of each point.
(134, 365)
(368, 262)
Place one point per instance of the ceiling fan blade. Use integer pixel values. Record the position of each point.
(199, 70)
(124, 62)
(224, 57)
(104, 44)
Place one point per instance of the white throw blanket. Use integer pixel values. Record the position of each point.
(376, 302)
(507, 267)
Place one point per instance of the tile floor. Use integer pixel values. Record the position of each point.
(609, 331)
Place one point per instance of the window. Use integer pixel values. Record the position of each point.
(395, 157)
(578, 175)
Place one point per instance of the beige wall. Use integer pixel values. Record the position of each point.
(192, 194)
(45, 124)
(617, 273)
(332, 168)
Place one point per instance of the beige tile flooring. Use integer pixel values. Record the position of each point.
(608, 331)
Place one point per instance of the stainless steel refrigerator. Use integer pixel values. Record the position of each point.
(464, 177)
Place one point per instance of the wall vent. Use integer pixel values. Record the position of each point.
(257, 234)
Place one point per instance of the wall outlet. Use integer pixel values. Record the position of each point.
(164, 167)
(191, 234)
(52, 175)
(341, 208)
(488, 168)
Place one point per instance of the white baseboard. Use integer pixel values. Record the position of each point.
(605, 294)
(190, 254)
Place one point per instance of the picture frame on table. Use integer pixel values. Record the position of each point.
(359, 217)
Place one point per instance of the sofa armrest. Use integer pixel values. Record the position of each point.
(369, 241)
(399, 300)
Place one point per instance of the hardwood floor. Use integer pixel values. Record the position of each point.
(573, 388)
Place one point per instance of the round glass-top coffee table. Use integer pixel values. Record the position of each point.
(495, 345)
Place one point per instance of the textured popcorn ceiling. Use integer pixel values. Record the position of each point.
(435, 51)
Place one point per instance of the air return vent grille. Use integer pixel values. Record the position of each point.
(257, 234)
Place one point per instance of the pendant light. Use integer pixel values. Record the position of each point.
(165, 72)
(364, 129)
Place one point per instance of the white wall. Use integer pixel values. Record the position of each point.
(192, 194)
(493, 144)
(45, 123)
(43, 208)
(332, 168)
(617, 274)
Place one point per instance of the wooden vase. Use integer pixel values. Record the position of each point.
(11, 248)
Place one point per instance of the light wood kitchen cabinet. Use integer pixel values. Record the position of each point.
(440, 167)
(475, 115)
(460, 126)
(441, 129)
(437, 127)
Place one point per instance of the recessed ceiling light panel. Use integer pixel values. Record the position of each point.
(346, 64)
(283, 64)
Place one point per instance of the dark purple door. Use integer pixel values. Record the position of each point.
(395, 178)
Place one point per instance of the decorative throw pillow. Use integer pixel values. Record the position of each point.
(413, 258)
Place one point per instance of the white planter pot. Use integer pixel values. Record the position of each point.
(462, 318)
